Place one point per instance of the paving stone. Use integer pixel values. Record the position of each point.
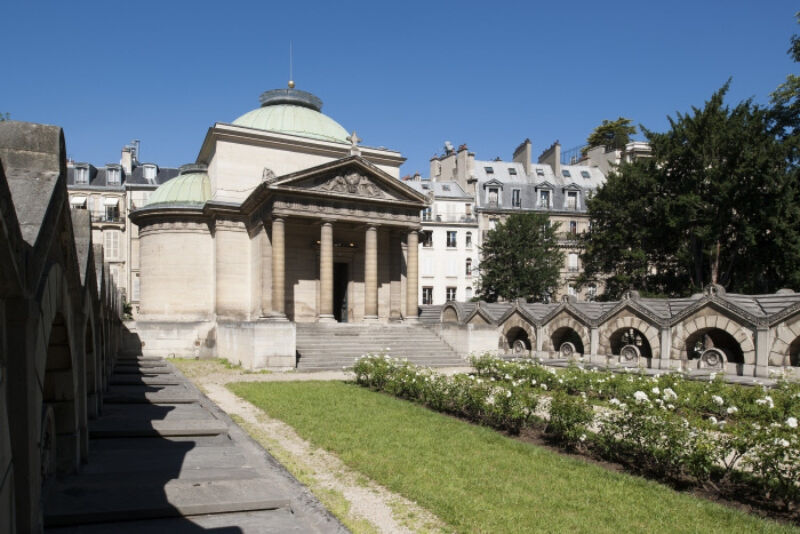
(77, 502)
(150, 394)
(136, 370)
(144, 379)
(144, 428)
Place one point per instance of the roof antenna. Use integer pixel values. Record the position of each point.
(291, 80)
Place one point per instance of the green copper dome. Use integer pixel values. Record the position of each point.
(191, 188)
(294, 112)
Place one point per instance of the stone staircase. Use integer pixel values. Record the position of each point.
(323, 347)
(163, 458)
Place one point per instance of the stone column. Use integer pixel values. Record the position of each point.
(326, 272)
(371, 274)
(412, 276)
(761, 368)
(278, 267)
(395, 290)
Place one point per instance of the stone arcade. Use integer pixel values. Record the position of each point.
(283, 219)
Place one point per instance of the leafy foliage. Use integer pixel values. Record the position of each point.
(613, 135)
(521, 259)
(716, 203)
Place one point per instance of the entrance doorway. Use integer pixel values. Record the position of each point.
(340, 280)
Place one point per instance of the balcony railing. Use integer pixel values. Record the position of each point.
(455, 218)
(106, 218)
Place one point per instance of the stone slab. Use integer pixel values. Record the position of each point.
(136, 370)
(144, 428)
(150, 394)
(262, 522)
(177, 458)
(154, 444)
(75, 502)
(144, 380)
(156, 412)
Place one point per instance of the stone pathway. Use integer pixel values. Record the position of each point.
(164, 458)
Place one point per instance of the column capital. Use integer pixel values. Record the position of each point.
(327, 221)
(278, 218)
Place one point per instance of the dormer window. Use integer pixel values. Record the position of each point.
(149, 171)
(493, 195)
(572, 200)
(445, 187)
(565, 173)
(515, 198)
(426, 187)
(539, 171)
(489, 170)
(512, 171)
(113, 175)
(544, 199)
(82, 175)
(586, 174)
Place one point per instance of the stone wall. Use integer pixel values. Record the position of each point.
(60, 325)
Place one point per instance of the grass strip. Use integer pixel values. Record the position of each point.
(478, 480)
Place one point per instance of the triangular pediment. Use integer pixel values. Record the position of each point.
(351, 177)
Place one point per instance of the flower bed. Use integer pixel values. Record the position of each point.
(708, 434)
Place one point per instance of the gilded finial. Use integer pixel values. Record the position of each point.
(291, 84)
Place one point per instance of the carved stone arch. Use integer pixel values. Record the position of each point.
(93, 360)
(450, 314)
(785, 335)
(566, 321)
(517, 328)
(626, 319)
(714, 320)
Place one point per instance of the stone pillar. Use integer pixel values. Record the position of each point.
(762, 352)
(395, 290)
(371, 274)
(278, 267)
(326, 272)
(266, 272)
(594, 344)
(412, 276)
(665, 356)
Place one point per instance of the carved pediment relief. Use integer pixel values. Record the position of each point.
(352, 183)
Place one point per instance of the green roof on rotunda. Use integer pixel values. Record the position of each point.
(191, 188)
(294, 112)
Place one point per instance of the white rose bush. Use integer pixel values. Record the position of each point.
(706, 433)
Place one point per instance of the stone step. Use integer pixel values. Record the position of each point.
(171, 462)
(78, 500)
(136, 370)
(278, 521)
(145, 380)
(153, 445)
(123, 429)
(150, 394)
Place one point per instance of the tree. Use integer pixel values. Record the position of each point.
(521, 259)
(5, 117)
(717, 203)
(613, 135)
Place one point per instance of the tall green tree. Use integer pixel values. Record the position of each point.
(716, 203)
(613, 135)
(521, 259)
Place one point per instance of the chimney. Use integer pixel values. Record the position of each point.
(552, 157)
(126, 161)
(523, 155)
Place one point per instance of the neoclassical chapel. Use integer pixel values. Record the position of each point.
(283, 218)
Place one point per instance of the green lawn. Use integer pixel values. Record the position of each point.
(476, 479)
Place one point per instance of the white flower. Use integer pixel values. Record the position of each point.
(640, 396)
(791, 422)
(615, 402)
(508, 394)
(669, 394)
(508, 376)
(583, 437)
(656, 391)
(671, 406)
(533, 381)
(717, 400)
(544, 387)
(713, 420)
(782, 442)
(732, 410)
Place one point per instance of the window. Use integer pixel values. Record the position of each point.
(539, 171)
(493, 196)
(544, 199)
(489, 170)
(468, 209)
(468, 293)
(135, 289)
(572, 200)
(111, 244)
(427, 295)
(565, 173)
(573, 262)
(426, 187)
(149, 172)
(451, 239)
(113, 175)
(426, 214)
(468, 270)
(427, 266)
(452, 267)
(81, 175)
(78, 202)
(571, 290)
(468, 241)
(591, 292)
(515, 200)
(427, 238)
(573, 227)
(450, 293)
(492, 224)
(445, 187)
(586, 174)
(512, 171)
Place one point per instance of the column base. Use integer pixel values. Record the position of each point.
(275, 316)
(326, 319)
(370, 319)
(411, 319)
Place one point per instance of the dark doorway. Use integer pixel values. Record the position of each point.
(340, 280)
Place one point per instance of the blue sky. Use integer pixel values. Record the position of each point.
(405, 75)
